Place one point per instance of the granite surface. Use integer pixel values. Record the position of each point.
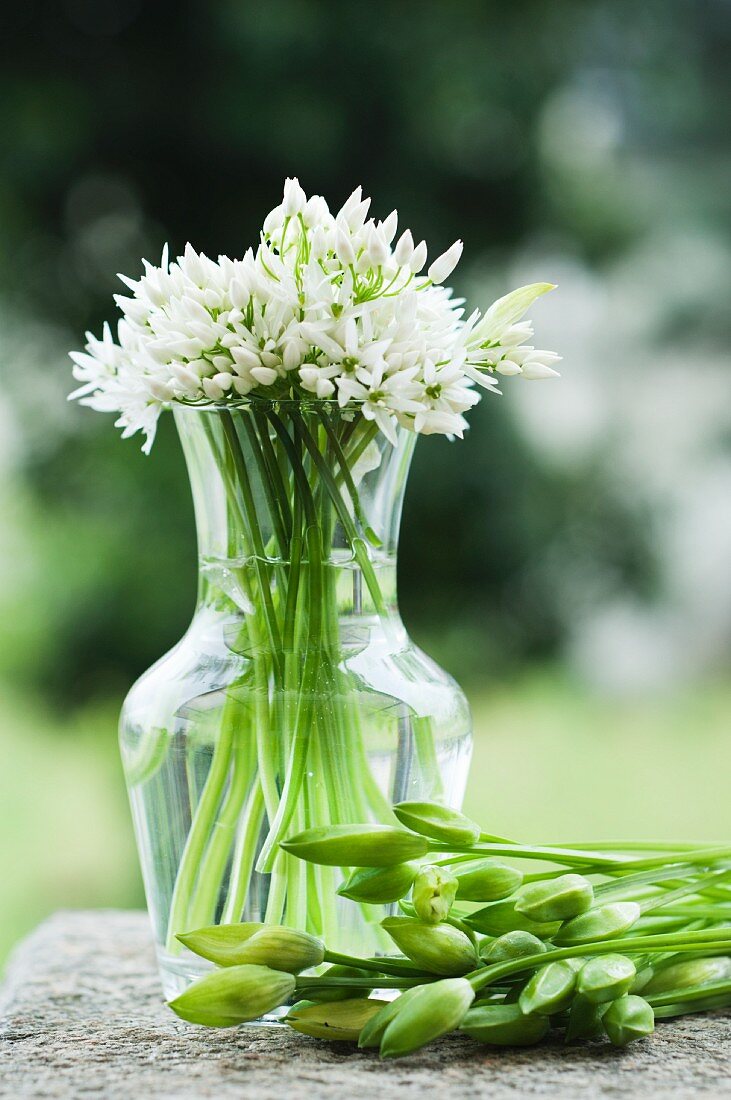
(81, 1015)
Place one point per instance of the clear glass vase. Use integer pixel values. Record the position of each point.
(296, 698)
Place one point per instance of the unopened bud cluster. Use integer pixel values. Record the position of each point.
(596, 946)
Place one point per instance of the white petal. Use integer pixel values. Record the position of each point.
(445, 264)
(264, 375)
(418, 259)
(535, 371)
(404, 249)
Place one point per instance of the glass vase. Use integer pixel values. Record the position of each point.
(295, 699)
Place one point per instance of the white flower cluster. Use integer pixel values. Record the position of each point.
(327, 307)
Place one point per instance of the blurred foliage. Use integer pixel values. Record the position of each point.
(579, 140)
(529, 129)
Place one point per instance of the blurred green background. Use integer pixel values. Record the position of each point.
(569, 562)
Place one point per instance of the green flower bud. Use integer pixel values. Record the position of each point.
(342, 1021)
(268, 945)
(642, 978)
(585, 1019)
(627, 1019)
(374, 1030)
(556, 899)
(435, 889)
(357, 845)
(606, 977)
(438, 948)
(688, 973)
(433, 1011)
(232, 996)
(512, 945)
(601, 923)
(438, 822)
(341, 992)
(379, 885)
(486, 880)
(501, 917)
(504, 1025)
(220, 943)
(549, 990)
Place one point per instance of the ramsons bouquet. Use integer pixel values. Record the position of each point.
(299, 376)
(325, 307)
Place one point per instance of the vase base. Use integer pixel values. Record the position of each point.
(178, 972)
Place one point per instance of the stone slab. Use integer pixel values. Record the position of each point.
(81, 1015)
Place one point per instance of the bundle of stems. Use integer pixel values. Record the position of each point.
(602, 942)
(294, 518)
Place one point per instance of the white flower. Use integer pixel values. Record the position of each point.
(445, 264)
(325, 307)
(294, 200)
(389, 226)
(381, 396)
(418, 258)
(404, 248)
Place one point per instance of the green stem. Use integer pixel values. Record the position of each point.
(203, 907)
(244, 856)
(707, 942)
(303, 723)
(357, 544)
(256, 541)
(399, 967)
(687, 996)
(197, 837)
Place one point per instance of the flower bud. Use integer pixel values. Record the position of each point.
(435, 889)
(512, 945)
(376, 247)
(294, 198)
(282, 949)
(556, 899)
(232, 996)
(438, 822)
(342, 1021)
(504, 1025)
(585, 1019)
(388, 227)
(438, 948)
(344, 246)
(599, 924)
(418, 258)
(606, 977)
(688, 973)
(642, 978)
(220, 943)
(501, 917)
(550, 989)
(404, 248)
(265, 376)
(341, 992)
(433, 1011)
(374, 1030)
(535, 370)
(486, 880)
(379, 885)
(441, 268)
(627, 1019)
(357, 845)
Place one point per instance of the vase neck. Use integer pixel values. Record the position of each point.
(287, 487)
